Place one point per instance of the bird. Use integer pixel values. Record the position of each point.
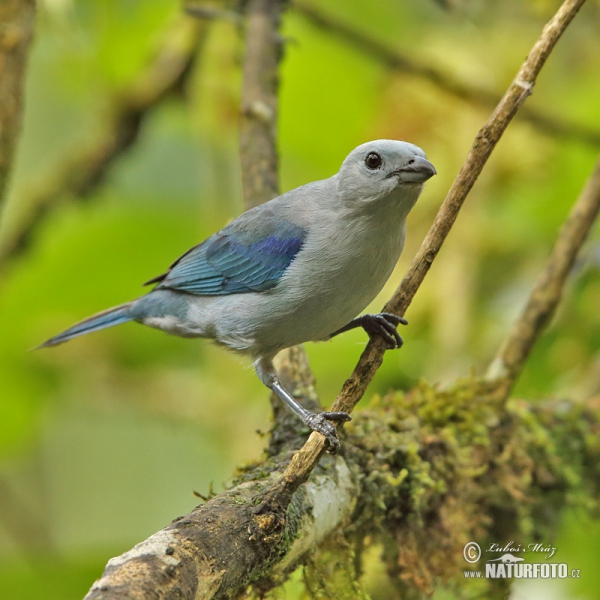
(297, 268)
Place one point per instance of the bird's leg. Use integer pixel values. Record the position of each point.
(316, 421)
(382, 324)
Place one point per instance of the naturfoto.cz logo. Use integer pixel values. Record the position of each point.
(510, 566)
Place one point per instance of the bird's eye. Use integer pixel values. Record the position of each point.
(373, 160)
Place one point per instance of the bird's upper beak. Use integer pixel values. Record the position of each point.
(418, 170)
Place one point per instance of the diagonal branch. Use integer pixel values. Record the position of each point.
(547, 292)
(470, 92)
(17, 19)
(81, 173)
(488, 136)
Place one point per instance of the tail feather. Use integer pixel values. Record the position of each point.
(102, 320)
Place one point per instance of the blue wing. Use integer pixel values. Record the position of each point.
(246, 256)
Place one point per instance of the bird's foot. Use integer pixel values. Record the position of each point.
(384, 325)
(321, 422)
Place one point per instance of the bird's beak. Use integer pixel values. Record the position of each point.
(418, 171)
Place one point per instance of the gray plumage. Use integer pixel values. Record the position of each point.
(298, 268)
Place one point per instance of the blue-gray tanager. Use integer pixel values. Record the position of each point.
(294, 269)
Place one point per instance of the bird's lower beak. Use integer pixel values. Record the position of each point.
(419, 171)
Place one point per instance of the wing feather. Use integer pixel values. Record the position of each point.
(237, 259)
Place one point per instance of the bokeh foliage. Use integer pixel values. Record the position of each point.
(103, 440)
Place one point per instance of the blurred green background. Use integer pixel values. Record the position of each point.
(104, 439)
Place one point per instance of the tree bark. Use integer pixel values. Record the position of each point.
(421, 473)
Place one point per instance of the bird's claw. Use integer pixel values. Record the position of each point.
(384, 325)
(340, 417)
(321, 423)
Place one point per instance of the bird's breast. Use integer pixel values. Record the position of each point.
(338, 273)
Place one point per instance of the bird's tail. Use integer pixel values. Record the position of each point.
(102, 320)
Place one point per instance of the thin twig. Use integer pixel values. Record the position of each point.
(17, 18)
(80, 174)
(548, 290)
(470, 92)
(258, 125)
(260, 177)
(355, 386)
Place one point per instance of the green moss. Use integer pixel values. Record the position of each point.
(442, 467)
(439, 468)
(331, 571)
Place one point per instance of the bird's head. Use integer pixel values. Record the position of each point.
(384, 169)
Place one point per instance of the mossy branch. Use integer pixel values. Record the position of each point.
(458, 464)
